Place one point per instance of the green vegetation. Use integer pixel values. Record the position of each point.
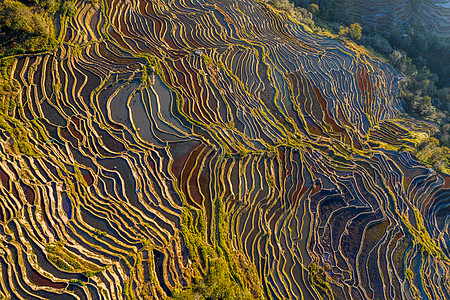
(242, 271)
(27, 28)
(19, 135)
(76, 281)
(208, 60)
(8, 93)
(126, 289)
(433, 155)
(299, 14)
(419, 93)
(150, 69)
(100, 233)
(66, 260)
(425, 101)
(68, 8)
(318, 279)
(218, 284)
(193, 228)
(410, 277)
(270, 180)
(229, 274)
(23, 29)
(8, 103)
(354, 31)
(422, 97)
(313, 8)
(422, 237)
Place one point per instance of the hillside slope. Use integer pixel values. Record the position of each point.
(164, 138)
(400, 15)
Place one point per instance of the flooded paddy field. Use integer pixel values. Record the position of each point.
(164, 136)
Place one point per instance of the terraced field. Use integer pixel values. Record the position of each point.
(385, 16)
(162, 135)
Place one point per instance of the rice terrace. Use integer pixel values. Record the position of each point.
(213, 149)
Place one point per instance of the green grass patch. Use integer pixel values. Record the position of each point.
(19, 134)
(66, 260)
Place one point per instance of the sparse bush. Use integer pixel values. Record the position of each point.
(100, 233)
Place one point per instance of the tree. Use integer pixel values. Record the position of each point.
(343, 31)
(355, 31)
(16, 17)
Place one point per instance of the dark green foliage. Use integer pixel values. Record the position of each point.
(377, 43)
(50, 6)
(425, 50)
(16, 17)
(421, 96)
(19, 135)
(8, 93)
(424, 100)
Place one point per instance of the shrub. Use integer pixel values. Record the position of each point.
(343, 31)
(355, 31)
